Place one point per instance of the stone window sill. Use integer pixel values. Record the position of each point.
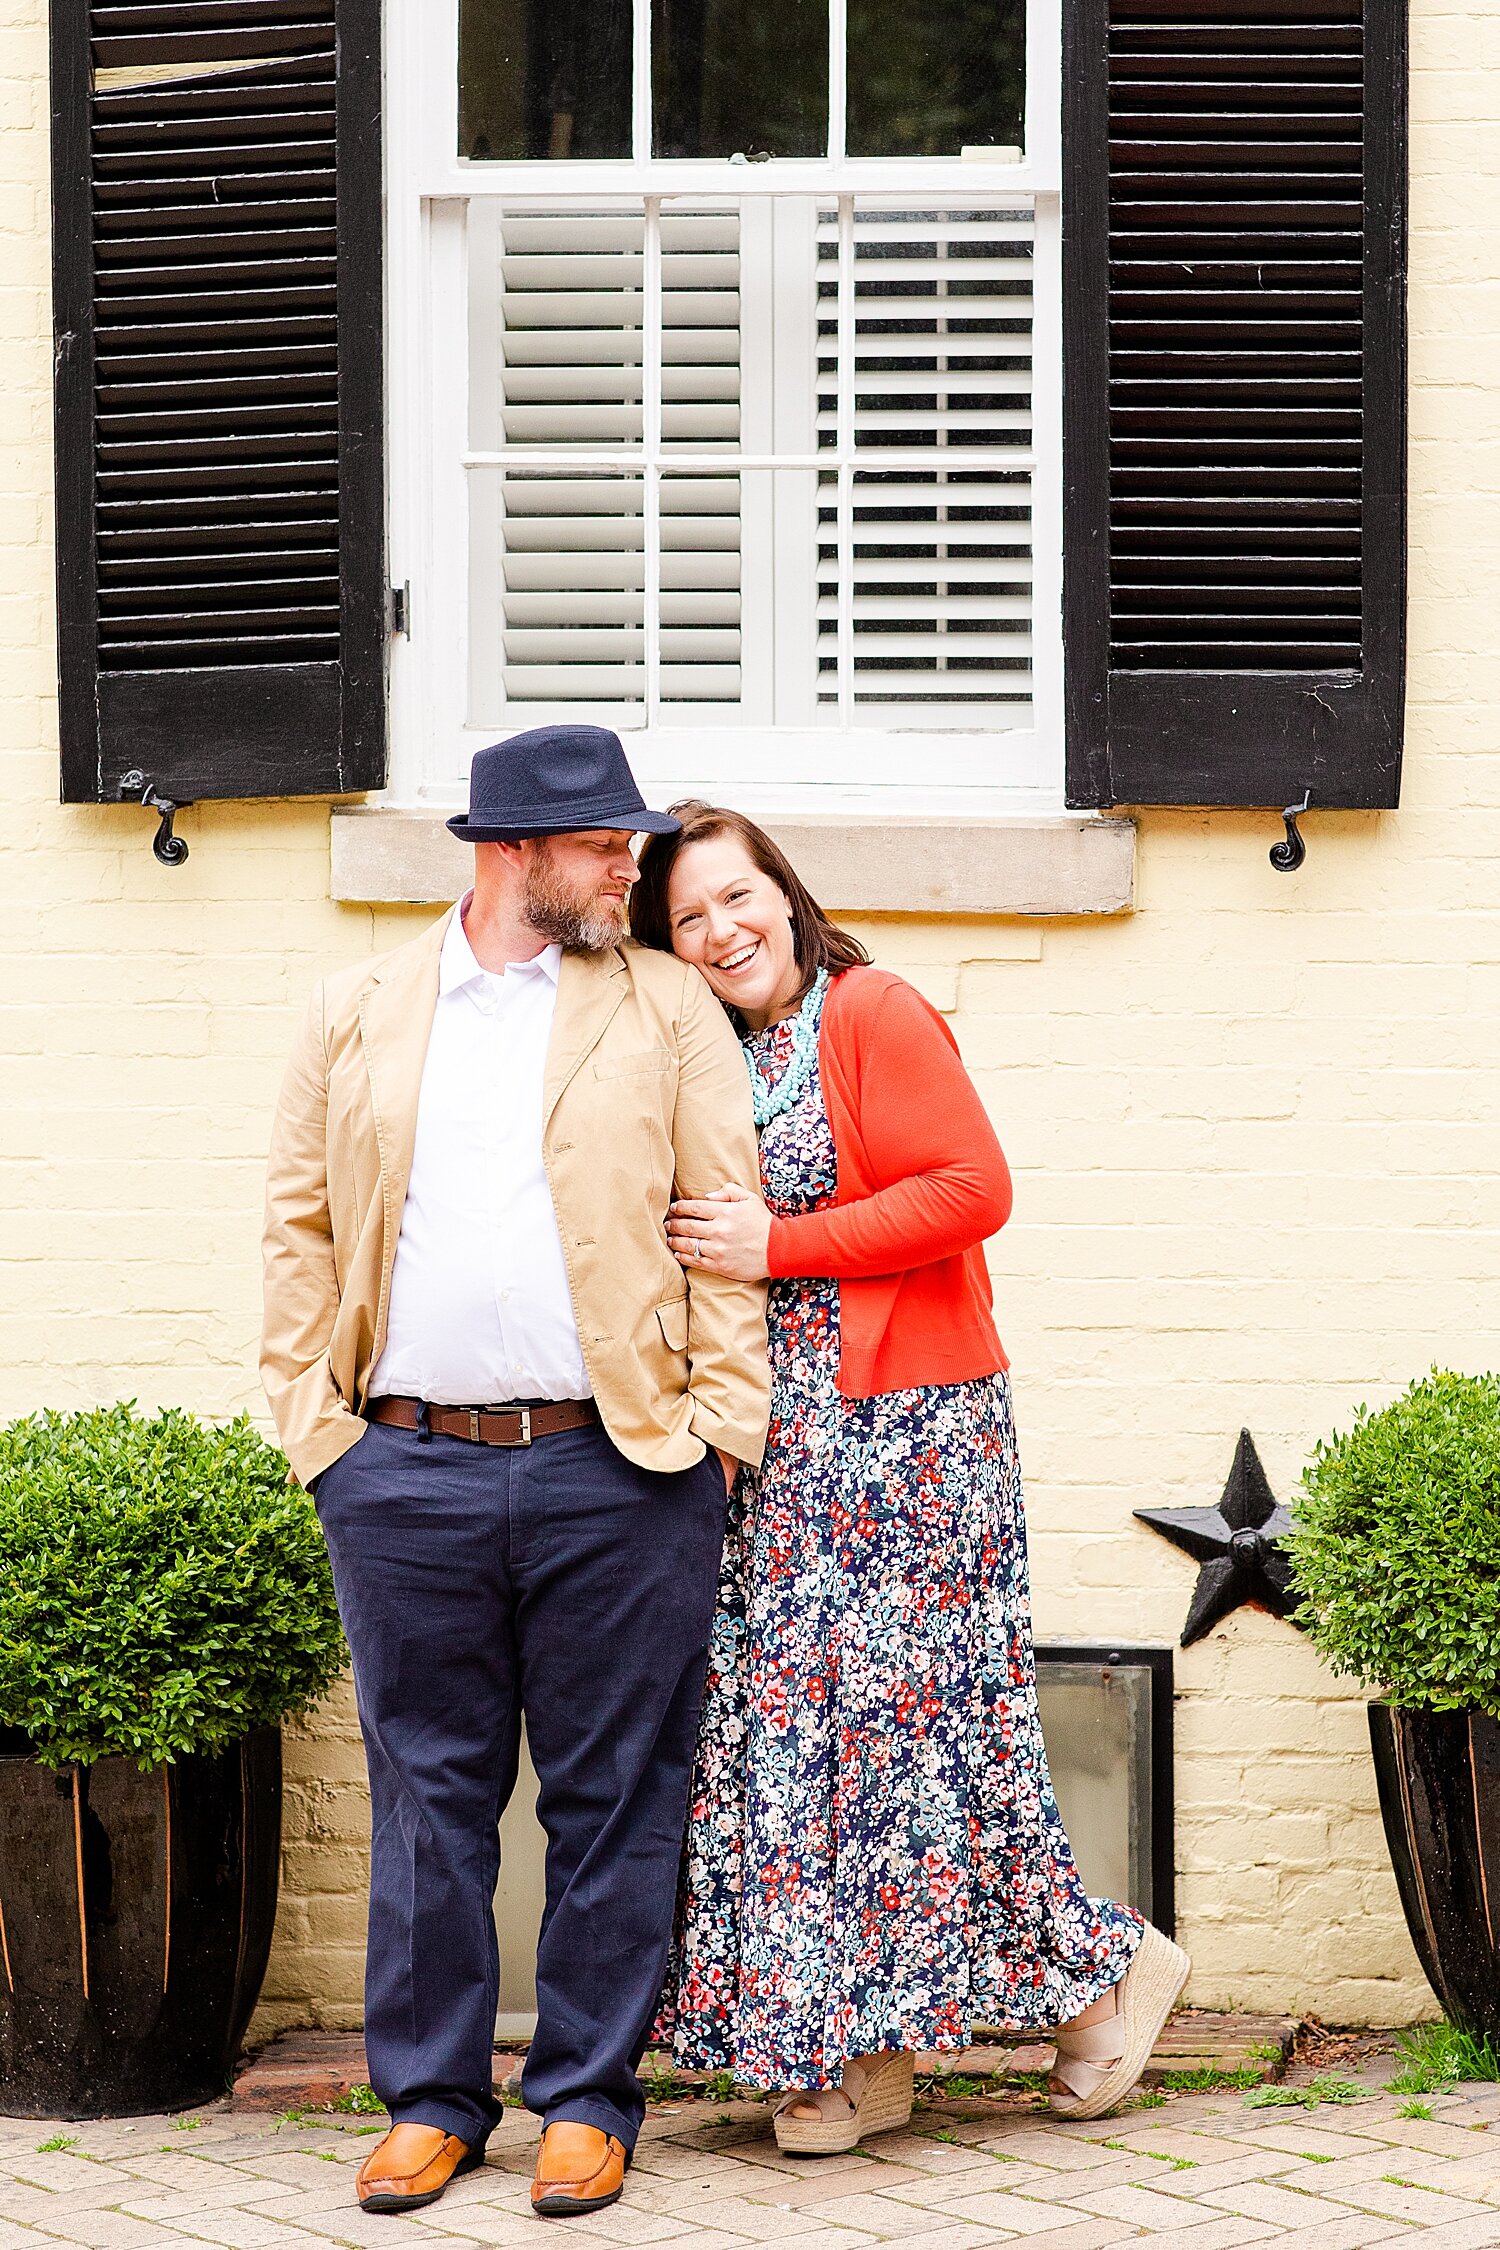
(1042, 866)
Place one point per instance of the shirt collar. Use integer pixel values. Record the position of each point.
(457, 966)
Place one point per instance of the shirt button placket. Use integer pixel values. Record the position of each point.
(492, 1167)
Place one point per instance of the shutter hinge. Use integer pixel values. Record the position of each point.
(1287, 856)
(398, 609)
(170, 850)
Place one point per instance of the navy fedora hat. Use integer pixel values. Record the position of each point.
(550, 780)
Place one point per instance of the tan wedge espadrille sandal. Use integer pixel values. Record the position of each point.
(875, 2097)
(1099, 2063)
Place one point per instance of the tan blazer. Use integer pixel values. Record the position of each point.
(646, 1095)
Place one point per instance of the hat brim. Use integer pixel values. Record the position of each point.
(639, 819)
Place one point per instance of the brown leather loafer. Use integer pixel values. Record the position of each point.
(578, 2169)
(412, 2166)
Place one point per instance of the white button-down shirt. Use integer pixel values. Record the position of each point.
(480, 1307)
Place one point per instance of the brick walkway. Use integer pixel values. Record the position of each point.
(1204, 2170)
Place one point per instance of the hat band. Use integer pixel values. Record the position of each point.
(606, 812)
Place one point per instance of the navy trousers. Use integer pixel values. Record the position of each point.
(477, 1583)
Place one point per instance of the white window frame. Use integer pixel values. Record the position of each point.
(929, 770)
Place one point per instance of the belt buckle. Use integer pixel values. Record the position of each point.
(510, 1443)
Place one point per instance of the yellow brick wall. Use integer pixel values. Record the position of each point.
(1252, 1124)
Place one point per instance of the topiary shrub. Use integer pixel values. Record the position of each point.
(1396, 1545)
(163, 1589)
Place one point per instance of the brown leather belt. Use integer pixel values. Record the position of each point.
(485, 1425)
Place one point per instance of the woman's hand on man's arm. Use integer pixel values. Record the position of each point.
(725, 1233)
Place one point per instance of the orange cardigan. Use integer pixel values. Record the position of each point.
(921, 1183)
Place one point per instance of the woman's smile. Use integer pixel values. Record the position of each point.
(730, 964)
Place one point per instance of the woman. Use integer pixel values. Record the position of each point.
(875, 1860)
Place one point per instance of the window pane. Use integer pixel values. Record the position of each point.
(731, 80)
(700, 589)
(863, 560)
(555, 327)
(559, 558)
(1097, 1723)
(931, 77)
(543, 78)
(938, 563)
(557, 610)
(700, 344)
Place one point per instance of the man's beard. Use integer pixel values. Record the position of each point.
(579, 923)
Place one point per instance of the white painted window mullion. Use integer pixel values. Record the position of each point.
(640, 82)
(838, 77)
(524, 186)
(1043, 121)
(651, 359)
(447, 592)
(629, 459)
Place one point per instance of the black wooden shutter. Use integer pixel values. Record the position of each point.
(220, 506)
(1234, 400)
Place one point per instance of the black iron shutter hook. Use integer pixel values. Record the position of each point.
(170, 850)
(1287, 856)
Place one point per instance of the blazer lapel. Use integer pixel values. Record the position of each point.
(590, 987)
(396, 1010)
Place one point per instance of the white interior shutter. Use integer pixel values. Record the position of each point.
(910, 604)
(937, 572)
(560, 608)
(700, 413)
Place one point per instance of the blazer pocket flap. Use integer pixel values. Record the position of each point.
(653, 1062)
(673, 1317)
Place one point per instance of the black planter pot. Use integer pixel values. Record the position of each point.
(1439, 1778)
(135, 1922)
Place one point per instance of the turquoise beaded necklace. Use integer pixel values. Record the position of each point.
(774, 1101)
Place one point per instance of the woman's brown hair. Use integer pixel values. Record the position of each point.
(817, 942)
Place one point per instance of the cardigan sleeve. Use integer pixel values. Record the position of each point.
(927, 1137)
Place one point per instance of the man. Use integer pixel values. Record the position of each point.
(519, 1424)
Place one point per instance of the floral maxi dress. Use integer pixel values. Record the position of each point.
(874, 1857)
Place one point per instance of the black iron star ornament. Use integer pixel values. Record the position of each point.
(1238, 1544)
